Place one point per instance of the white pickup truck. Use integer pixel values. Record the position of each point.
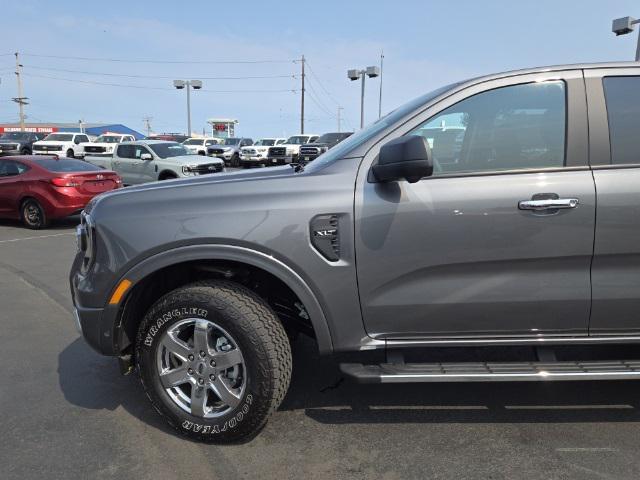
(150, 160)
(64, 144)
(103, 146)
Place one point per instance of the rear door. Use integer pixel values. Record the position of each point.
(11, 186)
(124, 163)
(614, 125)
(462, 253)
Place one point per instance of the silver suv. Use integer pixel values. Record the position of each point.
(150, 160)
(497, 215)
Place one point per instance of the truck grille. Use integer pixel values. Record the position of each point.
(208, 168)
(8, 146)
(216, 151)
(309, 151)
(277, 152)
(94, 149)
(47, 148)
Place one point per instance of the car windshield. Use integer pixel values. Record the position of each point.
(193, 141)
(59, 137)
(169, 149)
(108, 139)
(265, 143)
(357, 139)
(231, 141)
(14, 136)
(332, 137)
(65, 165)
(297, 140)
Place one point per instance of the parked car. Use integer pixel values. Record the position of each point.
(102, 146)
(229, 150)
(523, 253)
(289, 151)
(150, 160)
(313, 150)
(256, 154)
(199, 145)
(60, 143)
(18, 143)
(39, 189)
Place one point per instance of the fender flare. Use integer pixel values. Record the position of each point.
(248, 256)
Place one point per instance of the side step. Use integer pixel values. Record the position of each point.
(492, 372)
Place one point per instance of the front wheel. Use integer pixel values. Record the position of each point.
(70, 154)
(214, 360)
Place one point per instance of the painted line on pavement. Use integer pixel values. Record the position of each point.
(39, 236)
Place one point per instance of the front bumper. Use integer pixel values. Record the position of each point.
(4, 153)
(278, 160)
(48, 152)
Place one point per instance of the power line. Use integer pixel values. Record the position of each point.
(145, 87)
(127, 60)
(126, 75)
(318, 102)
(313, 74)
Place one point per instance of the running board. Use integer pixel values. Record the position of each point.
(491, 372)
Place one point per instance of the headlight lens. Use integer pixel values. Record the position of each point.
(189, 169)
(85, 236)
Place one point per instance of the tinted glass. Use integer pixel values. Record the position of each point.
(622, 95)
(231, 141)
(509, 128)
(15, 136)
(167, 150)
(9, 168)
(193, 141)
(59, 137)
(108, 139)
(65, 165)
(125, 151)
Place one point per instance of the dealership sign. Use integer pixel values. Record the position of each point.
(29, 129)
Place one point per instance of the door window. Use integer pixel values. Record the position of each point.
(508, 128)
(9, 168)
(125, 151)
(138, 150)
(622, 95)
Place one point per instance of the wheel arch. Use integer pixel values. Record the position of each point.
(218, 259)
(167, 173)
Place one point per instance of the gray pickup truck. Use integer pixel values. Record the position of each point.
(516, 239)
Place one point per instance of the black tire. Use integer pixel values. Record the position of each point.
(70, 154)
(25, 151)
(235, 160)
(255, 330)
(33, 215)
(167, 176)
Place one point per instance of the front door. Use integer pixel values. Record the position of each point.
(498, 241)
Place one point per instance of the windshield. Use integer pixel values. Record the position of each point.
(373, 129)
(333, 137)
(231, 141)
(169, 149)
(59, 137)
(193, 141)
(297, 140)
(14, 135)
(265, 143)
(66, 165)
(108, 139)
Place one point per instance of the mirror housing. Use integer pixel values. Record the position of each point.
(405, 158)
(146, 156)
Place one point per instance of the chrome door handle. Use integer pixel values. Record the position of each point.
(548, 204)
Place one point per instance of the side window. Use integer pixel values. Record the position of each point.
(208, 143)
(508, 128)
(622, 95)
(9, 168)
(139, 150)
(83, 138)
(125, 151)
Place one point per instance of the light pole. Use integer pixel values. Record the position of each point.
(624, 25)
(188, 84)
(356, 74)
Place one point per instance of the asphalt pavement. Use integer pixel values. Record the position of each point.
(67, 413)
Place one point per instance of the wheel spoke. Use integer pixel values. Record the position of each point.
(176, 346)
(228, 359)
(198, 400)
(175, 377)
(224, 391)
(201, 337)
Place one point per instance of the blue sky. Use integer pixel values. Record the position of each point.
(426, 44)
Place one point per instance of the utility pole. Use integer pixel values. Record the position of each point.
(339, 109)
(147, 123)
(20, 99)
(380, 99)
(302, 98)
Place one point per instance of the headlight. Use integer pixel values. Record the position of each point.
(85, 236)
(189, 169)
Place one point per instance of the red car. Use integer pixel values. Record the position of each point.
(36, 189)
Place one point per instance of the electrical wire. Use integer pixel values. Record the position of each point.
(126, 60)
(200, 77)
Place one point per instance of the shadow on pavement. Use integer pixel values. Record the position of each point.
(67, 223)
(317, 387)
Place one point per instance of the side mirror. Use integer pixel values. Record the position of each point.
(405, 158)
(146, 156)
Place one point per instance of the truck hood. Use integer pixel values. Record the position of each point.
(52, 142)
(190, 160)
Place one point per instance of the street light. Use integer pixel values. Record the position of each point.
(624, 25)
(188, 84)
(355, 74)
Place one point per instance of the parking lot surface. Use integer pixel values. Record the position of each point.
(67, 412)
